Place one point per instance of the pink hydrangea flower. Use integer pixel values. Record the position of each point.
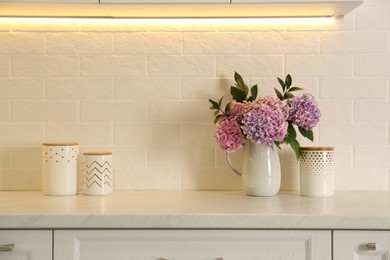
(228, 135)
(304, 111)
(273, 102)
(237, 109)
(266, 123)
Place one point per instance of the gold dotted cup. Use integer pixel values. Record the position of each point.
(316, 167)
(97, 173)
(59, 168)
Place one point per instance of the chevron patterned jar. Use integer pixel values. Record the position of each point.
(97, 173)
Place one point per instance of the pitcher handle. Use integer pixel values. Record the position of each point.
(231, 164)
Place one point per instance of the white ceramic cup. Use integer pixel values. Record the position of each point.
(59, 168)
(97, 173)
(316, 168)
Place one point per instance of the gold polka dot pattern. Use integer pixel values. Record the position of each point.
(317, 163)
(59, 154)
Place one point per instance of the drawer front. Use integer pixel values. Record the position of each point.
(361, 245)
(163, 1)
(28, 244)
(191, 245)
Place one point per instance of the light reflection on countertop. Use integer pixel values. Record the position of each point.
(195, 209)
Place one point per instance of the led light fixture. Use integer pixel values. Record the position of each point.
(234, 9)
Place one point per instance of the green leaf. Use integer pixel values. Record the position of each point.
(295, 89)
(216, 112)
(238, 79)
(288, 81)
(240, 83)
(291, 134)
(254, 91)
(227, 108)
(278, 94)
(307, 133)
(250, 99)
(281, 82)
(214, 104)
(218, 117)
(297, 149)
(288, 95)
(238, 94)
(277, 144)
(220, 102)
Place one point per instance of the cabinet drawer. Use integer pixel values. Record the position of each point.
(164, 1)
(191, 245)
(361, 245)
(28, 244)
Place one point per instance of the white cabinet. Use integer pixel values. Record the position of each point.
(287, 1)
(191, 245)
(164, 1)
(54, 1)
(27, 245)
(361, 245)
(194, 244)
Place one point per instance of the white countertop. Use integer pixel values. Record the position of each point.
(195, 209)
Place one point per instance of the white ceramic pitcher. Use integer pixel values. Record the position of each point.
(261, 173)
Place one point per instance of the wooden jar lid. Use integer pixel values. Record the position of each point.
(97, 153)
(61, 144)
(317, 148)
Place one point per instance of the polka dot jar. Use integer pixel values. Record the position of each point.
(59, 168)
(316, 168)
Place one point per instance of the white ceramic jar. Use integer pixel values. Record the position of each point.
(316, 168)
(59, 168)
(97, 173)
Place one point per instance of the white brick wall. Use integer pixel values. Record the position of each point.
(141, 90)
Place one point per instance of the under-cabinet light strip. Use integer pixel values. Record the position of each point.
(176, 21)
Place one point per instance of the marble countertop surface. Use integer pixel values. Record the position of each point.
(195, 209)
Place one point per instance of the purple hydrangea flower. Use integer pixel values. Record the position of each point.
(304, 111)
(266, 123)
(228, 135)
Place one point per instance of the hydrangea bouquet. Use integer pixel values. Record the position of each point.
(268, 120)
